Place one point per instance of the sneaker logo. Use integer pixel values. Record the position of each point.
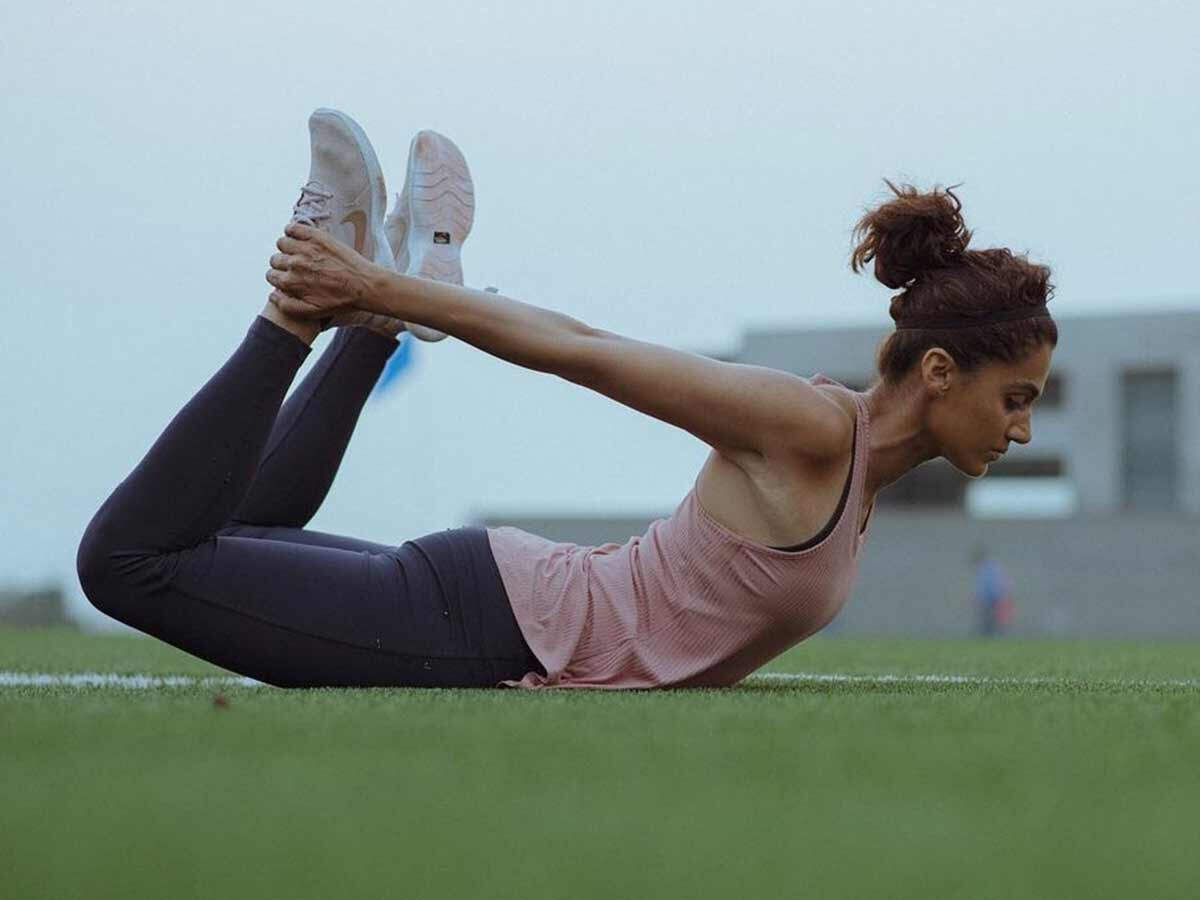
(358, 219)
(441, 237)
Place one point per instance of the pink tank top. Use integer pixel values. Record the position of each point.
(687, 604)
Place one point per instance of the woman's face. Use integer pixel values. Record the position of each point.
(980, 414)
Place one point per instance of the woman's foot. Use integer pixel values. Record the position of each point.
(346, 197)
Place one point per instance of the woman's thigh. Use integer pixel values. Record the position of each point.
(303, 536)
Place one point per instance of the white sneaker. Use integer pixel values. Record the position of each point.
(433, 215)
(345, 196)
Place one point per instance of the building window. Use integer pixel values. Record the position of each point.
(1023, 488)
(1150, 439)
(1022, 498)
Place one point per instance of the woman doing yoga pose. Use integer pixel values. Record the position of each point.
(204, 544)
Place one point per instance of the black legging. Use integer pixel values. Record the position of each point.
(203, 545)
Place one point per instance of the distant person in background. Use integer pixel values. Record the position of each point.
(993, 594)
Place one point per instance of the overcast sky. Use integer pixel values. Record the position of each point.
(675, 171)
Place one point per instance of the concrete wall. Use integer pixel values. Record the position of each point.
(1088, 577)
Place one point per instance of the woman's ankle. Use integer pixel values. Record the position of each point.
(304, 329)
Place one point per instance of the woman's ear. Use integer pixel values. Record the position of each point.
(938, 370)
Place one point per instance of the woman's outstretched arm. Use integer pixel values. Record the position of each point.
(736, 409)
(315, 275)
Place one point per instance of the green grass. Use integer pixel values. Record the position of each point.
(1084, 785)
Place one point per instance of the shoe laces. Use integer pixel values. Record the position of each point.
(312, 207)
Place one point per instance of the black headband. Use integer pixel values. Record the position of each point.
(1004, 315)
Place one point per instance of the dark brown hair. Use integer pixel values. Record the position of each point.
(919, 244)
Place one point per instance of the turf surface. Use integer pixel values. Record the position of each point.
(1072, 774)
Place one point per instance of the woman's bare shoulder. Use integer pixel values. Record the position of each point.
(844, 398)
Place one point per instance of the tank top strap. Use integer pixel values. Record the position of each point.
(862, 448)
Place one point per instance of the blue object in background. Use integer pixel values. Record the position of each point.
(398, 362)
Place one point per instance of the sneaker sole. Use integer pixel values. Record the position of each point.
(441, 212)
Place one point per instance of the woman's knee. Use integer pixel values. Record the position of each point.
(115, 579)
(94, 566)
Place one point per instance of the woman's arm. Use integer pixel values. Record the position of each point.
(315, 275)
(734, 408)
(517, 332)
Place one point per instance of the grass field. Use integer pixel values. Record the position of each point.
(1060, 769)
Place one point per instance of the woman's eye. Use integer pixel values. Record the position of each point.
(1013, 405)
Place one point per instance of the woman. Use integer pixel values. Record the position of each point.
(203, 545)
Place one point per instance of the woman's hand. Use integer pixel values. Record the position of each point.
(315, 275)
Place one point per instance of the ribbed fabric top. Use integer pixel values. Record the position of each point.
(687, 604)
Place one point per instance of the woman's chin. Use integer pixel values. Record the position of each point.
(974, 468)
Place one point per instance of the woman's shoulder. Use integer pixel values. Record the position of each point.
(842, 396)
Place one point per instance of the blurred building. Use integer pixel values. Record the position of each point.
(1097, 520)
(41, 606)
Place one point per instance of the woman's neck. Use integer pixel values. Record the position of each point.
(899, 442)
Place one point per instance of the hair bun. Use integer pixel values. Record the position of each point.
(911, 234)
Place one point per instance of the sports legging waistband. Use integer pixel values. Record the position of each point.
(203, 545)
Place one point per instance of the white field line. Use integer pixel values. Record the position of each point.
(145, 682)
(819, 677)
(106, 679)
